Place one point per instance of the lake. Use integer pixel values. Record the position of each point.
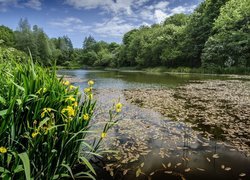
(152, 145)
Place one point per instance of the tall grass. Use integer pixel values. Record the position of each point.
(43, 121)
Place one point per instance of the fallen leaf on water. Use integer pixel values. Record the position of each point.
(208, 159)
(152, 173)
(215, 156)
(168, 172)
(138, 172)
(164, 165)
(227, 169)
(222, 166)
(169, 165)
(178, 164)
(142, 164)
(200, 169)
(242, 174)
(125, 172)
(187, 170)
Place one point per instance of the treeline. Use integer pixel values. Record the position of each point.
(216, 34)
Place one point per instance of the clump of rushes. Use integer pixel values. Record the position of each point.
(42, 122)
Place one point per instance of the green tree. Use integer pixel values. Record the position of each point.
(7, 35)
(199, 29)
(230, 45)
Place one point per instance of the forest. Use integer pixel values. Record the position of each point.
(215, 35)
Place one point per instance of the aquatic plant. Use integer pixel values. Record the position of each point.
(43, 122)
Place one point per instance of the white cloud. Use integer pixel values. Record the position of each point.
(160, 16)
(34, 4)
(115, 27)
(182, 9)
(6, 4)
(70, 24)
(161, 5)
(114, 6)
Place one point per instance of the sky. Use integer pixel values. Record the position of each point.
(105, 20)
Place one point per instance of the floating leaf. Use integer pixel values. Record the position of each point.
(142, 164)
(138, 172)
(222, 166)
(242, 174)
(187, 170)
(152, 173)
(125, 172)
(200, 169)
(208, 159)
(227, 169)
(169, 164)
(178, 164)
(168, 172)
(215, 156)
(164, 165)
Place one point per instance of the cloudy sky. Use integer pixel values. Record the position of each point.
(106, 20)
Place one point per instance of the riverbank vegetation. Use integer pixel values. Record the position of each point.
(44, 122)
(214, 39)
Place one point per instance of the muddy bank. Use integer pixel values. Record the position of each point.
(219, 109)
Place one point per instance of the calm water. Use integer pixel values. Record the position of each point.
(189, 149)
(133, 79)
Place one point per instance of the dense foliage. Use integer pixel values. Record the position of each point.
(215, 35)
(43, 122)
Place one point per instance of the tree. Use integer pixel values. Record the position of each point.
(230, 45)
(199, 29)
(7, 35)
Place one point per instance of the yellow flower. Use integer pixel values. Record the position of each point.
(104, 135)
(86, 90)
(70, 111)
(66, 83)
(3, 150)
(71, 87)
(91, 82)
(70, 98)
(86, 117)
(75, 104)
(34, 134)
(45, 110)
(90, 96)
(118, 107)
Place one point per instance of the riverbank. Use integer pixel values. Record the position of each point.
(163, 69)
(220, 109)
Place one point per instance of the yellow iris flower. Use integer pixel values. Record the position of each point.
(91, 82)
(118, 107)
(3, 150)
(103, 135)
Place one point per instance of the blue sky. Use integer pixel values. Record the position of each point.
(106, 20)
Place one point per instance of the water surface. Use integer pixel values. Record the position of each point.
(173, 147)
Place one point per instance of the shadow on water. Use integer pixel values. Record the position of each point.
(160, 148)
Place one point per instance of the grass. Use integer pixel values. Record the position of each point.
(43, 122)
